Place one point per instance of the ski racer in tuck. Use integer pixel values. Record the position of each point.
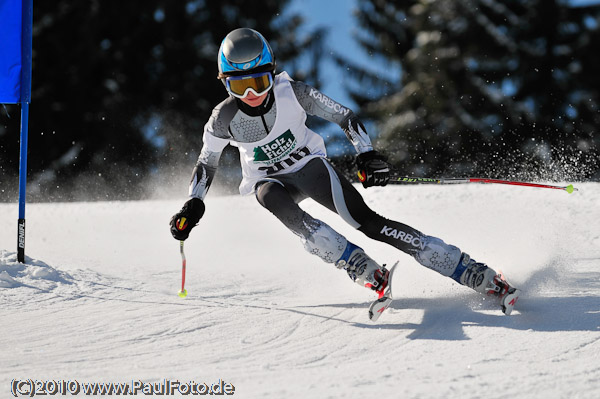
(284, 162)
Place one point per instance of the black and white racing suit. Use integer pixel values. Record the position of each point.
(284, 162)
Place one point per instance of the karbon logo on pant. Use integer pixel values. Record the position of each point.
(403, 236)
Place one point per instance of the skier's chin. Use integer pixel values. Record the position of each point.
(254, 101)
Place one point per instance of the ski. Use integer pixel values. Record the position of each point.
(381, 304)
(509, 295)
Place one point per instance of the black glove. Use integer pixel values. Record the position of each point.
(373, 169)
(187, 218)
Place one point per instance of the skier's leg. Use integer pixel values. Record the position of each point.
(319, 238)
(336, 193)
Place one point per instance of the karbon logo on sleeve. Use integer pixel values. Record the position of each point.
(328, 102)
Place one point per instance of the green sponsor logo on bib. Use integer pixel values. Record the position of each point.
(275, 150)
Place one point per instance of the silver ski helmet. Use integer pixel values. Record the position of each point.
(244, 51)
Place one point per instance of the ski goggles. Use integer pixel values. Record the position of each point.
(257, 83)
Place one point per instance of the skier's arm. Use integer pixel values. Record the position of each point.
(192, 211)
(215, 138)
(207, 165)
(316, 103)
(373, 169)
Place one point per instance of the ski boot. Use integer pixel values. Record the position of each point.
(485, 280)
(363, 270)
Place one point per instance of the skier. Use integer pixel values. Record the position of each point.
(284, 162)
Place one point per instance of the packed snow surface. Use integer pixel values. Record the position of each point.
(97, 299)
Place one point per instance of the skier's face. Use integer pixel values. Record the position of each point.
(253, 100)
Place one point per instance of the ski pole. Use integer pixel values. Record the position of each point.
(182, 292)
(399, 180)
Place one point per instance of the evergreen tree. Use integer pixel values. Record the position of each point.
(488, 87)
(123, 89)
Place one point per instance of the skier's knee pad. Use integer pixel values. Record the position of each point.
(370, 222)
(438, 256)
(325, 242)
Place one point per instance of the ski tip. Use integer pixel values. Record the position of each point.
(382, 303)
(509, 301)
(378, 307)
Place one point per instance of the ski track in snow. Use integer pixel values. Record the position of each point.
(97, 300)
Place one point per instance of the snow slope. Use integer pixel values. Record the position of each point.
(97, 300)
